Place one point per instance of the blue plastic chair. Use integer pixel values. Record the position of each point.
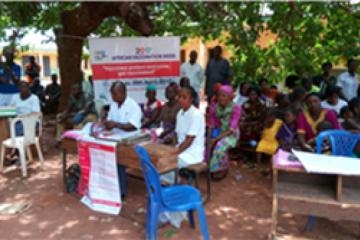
(168, 199)
(342, 143)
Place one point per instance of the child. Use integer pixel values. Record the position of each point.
(268, 143)
(287, 133)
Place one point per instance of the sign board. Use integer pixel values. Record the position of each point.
(136, 61)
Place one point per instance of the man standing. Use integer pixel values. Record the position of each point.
(9, 77)
(13, 76)
(348, 81)
(217, 71)
(193, 71)
(325, 79)
(125, 114)
(32, 70)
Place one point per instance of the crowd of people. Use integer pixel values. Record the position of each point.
(256, 116)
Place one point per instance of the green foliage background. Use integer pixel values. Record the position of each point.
(308, 33)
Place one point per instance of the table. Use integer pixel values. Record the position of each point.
(5, 128)
(331, 196)
(127, 157)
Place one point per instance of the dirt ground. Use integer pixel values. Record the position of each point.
(238, 209)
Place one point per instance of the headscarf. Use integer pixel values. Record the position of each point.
(227, 89)
(151, 87)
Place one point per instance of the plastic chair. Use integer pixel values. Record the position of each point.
(168, 199)
(23, 143)
(342, 143)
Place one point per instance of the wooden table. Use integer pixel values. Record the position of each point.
(127, 157)
(336, 197)
(5, 128)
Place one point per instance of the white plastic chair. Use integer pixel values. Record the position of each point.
(24, 142)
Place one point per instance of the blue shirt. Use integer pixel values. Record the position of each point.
(16, 69)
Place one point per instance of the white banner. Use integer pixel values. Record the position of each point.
(137, 61)
(99, 182)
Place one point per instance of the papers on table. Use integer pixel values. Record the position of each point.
(328, 164)
(7, 111)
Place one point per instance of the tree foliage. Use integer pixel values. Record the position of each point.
(308, 33)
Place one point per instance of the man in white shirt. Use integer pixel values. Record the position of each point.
(125, 114)
(348, 81)
(193, 71)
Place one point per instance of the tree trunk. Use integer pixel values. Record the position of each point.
(69, 57)
(78, 23)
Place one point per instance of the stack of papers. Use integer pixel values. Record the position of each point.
(328, 164)
(7, 111)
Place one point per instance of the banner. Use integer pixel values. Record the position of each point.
(99, 182)
(136, 61)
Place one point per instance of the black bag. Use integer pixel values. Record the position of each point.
(72, 177)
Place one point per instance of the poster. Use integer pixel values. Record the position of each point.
(136, 61)
(99, 182)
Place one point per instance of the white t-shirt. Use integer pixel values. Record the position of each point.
(128, 112)
(191, 123)
(349, 85)
(340, 104)
(194, 72)
(23, 107)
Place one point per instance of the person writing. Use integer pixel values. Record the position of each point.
(125, 114)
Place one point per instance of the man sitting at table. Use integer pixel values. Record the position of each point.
(80, 111)
(125, 114)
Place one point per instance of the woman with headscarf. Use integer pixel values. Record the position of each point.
(152, 108)
(223, 129)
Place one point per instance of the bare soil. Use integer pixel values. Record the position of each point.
(238, 209)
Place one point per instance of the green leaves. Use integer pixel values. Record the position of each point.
(307, 33)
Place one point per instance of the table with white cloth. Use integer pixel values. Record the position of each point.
(317, 185)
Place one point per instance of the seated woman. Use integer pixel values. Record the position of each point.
(185, 82)
(223, 128)
(251, 117)
(190, 133)
(333, 101)
(152, 108)
(308, 121)
(168, 116)
(25, 103)
(268, 143)
(351, 116)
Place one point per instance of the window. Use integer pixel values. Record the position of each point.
(46, 67)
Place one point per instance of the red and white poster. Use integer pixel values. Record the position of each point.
(99, 182)
(137, 61)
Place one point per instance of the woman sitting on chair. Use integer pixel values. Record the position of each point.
(25, 103)
(308, 121)
(223, 119)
